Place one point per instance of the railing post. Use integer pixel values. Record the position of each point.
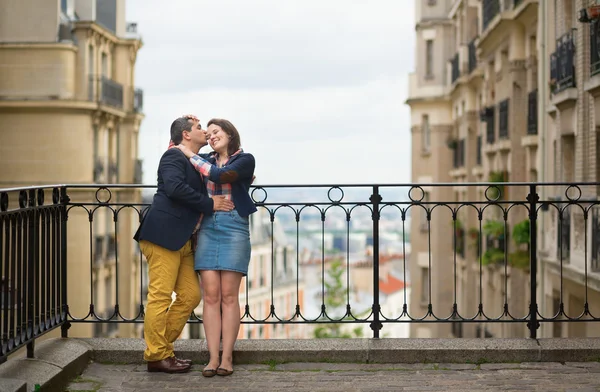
(533, 199)
(64, 200)
(375, 200)
(32, 273)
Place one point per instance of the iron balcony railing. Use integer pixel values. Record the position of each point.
(490, 9)
(562, 65)
(532, 112)
(42, 227)
(455, 68)
(472, 63)
(138, 100)
(595, 47)
(105, 91)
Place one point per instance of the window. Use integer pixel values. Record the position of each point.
(425, 134)
(63, 6)
(104, 65)
(429, 58)
(431, 3)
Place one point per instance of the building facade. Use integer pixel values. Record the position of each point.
(431, 125)
(70, 113)
(570, 79)
(519, 99)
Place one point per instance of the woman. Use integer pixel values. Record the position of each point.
(223, 250)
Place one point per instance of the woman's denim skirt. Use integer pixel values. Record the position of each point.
(223, 243)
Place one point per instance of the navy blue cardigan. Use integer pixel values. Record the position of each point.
(238, 171)
(180, 198)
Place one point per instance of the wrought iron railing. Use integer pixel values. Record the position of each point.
(489, 10)
(503, 119)
(455, 68)
(35, 248)
(106, 91)
(33, 266)
(111, 92)
(532, 112)
(562, 65)
(138, 100)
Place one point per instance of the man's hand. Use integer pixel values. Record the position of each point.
(222, 204)
(188, 153)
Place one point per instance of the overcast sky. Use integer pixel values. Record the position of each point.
(316, 88)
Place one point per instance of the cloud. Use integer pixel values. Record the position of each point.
(316, 88)
(272, 44)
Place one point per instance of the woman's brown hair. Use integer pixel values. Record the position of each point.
(231, 131)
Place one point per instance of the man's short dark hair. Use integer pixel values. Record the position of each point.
(179, 125)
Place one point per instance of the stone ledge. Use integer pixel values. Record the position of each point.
(367, 350)
(60, 360)
(56, 362)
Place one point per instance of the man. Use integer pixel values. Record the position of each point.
(165, 239)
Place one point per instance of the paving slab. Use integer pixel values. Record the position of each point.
(359, 377)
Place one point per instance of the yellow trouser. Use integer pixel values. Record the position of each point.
(168, 272)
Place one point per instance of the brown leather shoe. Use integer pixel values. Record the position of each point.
(169, 365)
(184, 361)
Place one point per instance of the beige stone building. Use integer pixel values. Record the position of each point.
(431, 124)
(521, 102)
(70, 113)
(570, 81)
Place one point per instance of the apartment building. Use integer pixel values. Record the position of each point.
(490, 75)
(521, 87)
(570, 79)
(431, 125)
(70, 113)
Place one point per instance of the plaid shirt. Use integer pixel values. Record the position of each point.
(204, 166)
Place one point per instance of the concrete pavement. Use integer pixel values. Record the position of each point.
(349, 377)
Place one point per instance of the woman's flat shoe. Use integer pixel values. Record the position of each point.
(224, 372)
(209, 372)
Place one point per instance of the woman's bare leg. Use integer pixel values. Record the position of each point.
(211, 314)
(230, 304)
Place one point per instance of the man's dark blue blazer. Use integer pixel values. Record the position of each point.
(180, 198)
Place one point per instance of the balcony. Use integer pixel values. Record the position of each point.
(105, 91)
(532, 112)
(138, 100)
(503, 119)
(39, 227)
(562, 66)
